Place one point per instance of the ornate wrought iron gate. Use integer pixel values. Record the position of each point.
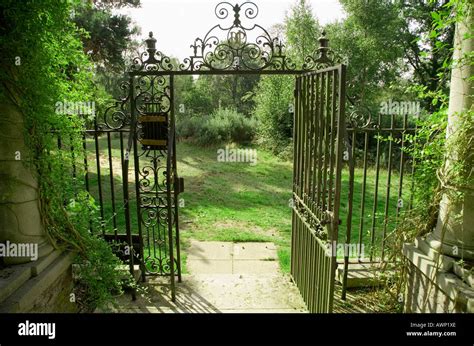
(143, 121)
(146, 114)
(318, 144)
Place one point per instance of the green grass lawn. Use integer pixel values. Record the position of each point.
(240, 202)
(236, 201)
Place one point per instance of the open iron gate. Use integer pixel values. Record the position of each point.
(150, 185)
(319, 126)
(144, 113)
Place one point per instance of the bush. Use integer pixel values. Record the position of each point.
(222, 126)
(99, 277)
(274, 96)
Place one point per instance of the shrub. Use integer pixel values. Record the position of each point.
(274, 96)
(224, 125)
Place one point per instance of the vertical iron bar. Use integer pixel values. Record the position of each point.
(376, 192)
(307, 144)
(112, 185)
(402, 165)
(321, 125)
(313, 139)
(301, 168)
(315, 192)
(314, 269)
(341, 123)
(364, 185)
(295, 158)
(131, 140)
(320, 280)
(327, 116)
(317, 152)
(86, 177)
(323, 282)
(307, 155)
(175, 175)
(303, 138)
(74, 169)
(122, 160)
(387, 198)
(169, 206)
(136, 164)
(332, 142)
(349, 214)
(413, 162)
(99, 176)
(298, 179)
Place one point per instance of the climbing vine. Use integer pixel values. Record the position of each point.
(42, 64)
(430, 149)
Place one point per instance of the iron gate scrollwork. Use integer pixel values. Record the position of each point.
(245, 46)
(155, 172)
(238, 46)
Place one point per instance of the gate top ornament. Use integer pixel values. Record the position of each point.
(234, 47)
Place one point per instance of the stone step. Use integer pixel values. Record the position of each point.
(14, 276)
(37, 288)
(467, 275)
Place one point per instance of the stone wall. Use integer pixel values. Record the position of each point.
(433, 284)
(57, 297)
(423, 296)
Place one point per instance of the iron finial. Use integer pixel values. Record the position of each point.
(323, 46)
(236, 15)
(323, 40)
(151, 42)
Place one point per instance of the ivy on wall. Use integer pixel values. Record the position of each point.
(43, 63)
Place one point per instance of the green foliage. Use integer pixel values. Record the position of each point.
(431, 150)
(274, 100)
(369, 40)
(207, 93)
(428, 53)
(99, 276)
(53, 68)
(274, 94)
(391, 43)
(222, 126)
(197, 97)
(107, 39)
(105, 36)
(427, 148)
(301, 31)
(183, 87)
